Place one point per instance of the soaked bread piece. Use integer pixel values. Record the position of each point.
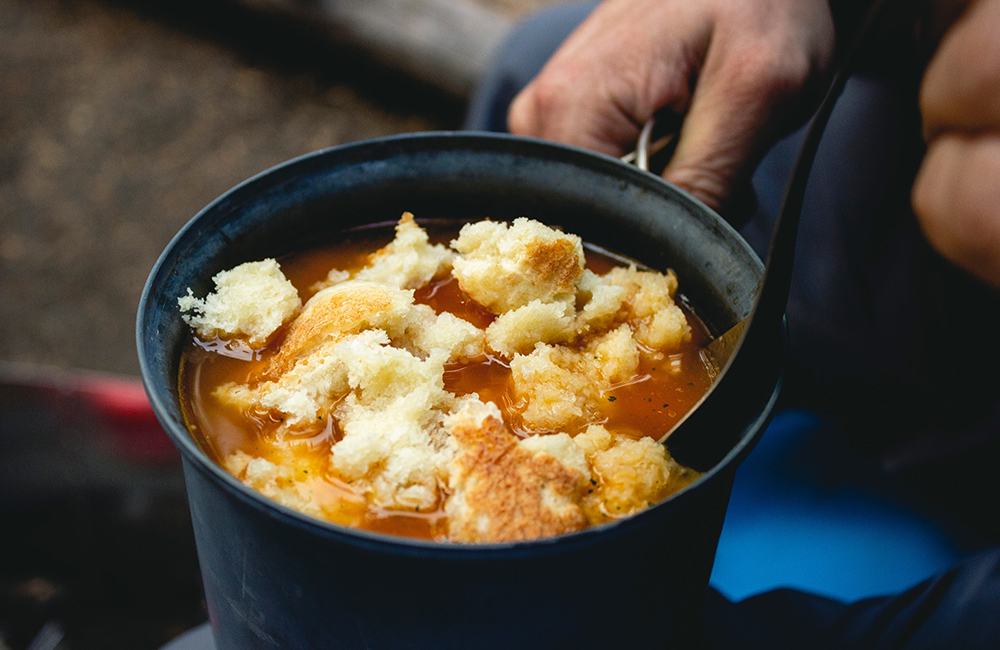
(649, 299)
(518, 330)
(339, 310)
(409, 261)
(563, 387)
(503, 268)
(296, 482)
(251, 301)
(629, 474)
(389, 419)
(278, 482)
(425, 332)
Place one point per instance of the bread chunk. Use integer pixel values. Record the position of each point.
(518, 330)
(563, 387)
(339, 310)
(295, 484)
(503, 491)
(409, 261)
(650, 299)
(277, 482)
(251, 300)
(553, 384)
(503, 268)
(629, 474)
(387, 419)
(601, 302)
(424, 332)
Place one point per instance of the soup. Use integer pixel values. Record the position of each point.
(502, 384)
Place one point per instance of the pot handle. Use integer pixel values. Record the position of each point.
(657, 141)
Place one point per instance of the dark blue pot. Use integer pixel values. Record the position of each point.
(277, 579)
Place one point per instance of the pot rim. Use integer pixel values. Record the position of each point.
(399, 545)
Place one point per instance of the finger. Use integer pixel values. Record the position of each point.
(612, 73)
(961, 88)
(957, 201)
(565, 106)
(742, 99)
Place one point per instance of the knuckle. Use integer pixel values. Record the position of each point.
(538, 105)
(520, 115)
(780, 72)
(550, 92)
(956, 209)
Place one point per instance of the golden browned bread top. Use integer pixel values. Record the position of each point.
(342, 309)
(505, 267)
(505, 492)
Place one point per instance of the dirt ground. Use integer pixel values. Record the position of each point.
(119, 120)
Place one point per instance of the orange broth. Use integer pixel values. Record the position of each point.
(649, 404)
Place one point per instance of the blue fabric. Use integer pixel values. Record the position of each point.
(809, 513)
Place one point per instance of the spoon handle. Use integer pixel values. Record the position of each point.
(703, 437)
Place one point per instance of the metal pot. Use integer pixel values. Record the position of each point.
(275, 578)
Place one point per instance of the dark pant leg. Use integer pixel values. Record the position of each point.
(518, 60)
(956, 609)
(880, 324)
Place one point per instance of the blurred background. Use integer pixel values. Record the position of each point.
(119, 121)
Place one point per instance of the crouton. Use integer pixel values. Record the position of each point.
(562, 387)
(505, 491)
(295, 484)
(629, 474)
(650, 297)
(505, 268)
(518, 330)
(386, 420)
(555, 388)
(424, 331)
(601, 300)
(409, 261)
(250, 301)
(339, 310)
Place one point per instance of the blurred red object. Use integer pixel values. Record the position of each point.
(129, 421)
(98, 417)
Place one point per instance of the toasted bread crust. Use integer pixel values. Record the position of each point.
(507, 492)
(504, 268)
(556, 262)
(335, 312)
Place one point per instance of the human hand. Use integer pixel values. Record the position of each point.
(734, 68)
(956, 195)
